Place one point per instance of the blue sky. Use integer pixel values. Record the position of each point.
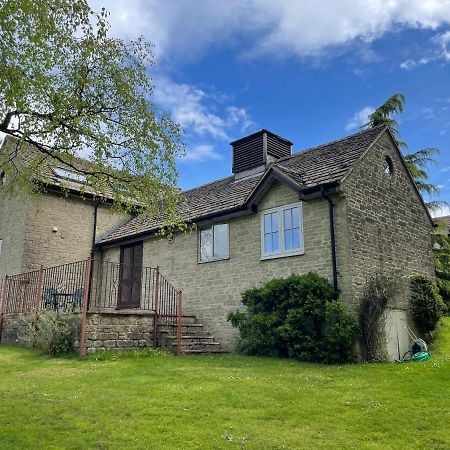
(309, 71)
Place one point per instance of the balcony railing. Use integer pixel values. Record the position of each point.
(99, 286)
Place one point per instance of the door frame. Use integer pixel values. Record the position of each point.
(134, 279)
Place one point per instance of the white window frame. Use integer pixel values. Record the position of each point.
(281, 253)
(221, 258)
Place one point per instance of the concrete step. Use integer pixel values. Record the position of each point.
(202, 352)
(187, 319)
(203, 346)
(186, 339)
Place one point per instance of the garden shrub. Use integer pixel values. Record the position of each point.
(378, 292)
(296, 317)
(427, 305)
(54, 334)
(441, 253)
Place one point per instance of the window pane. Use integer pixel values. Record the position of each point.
(287, 219)
(275, 221)
(221, 241)
(206, 244)
(296, 233)
(295, 217)
(268, 243)
(288, 240)
(267, 223)
(275, 242)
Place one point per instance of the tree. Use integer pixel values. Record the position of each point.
(70, 89)
(416, 162)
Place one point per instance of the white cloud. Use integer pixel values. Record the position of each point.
(439, 52)
(282, 28)
(359, 119)
(440, 212)
(202, 115)
(198, 112)
(408, 64)
(443, 41)
(200, 153)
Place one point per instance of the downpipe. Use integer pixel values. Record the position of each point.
(326, 196)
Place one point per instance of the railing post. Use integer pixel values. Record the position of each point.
(38, 300)
(180, 316)
(3, 304)
(87, 280)
(155, 311)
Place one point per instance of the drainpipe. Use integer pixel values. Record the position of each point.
(94, 234)
(333, 241)
(94, 230)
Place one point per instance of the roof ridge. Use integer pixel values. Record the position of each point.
(349, 136)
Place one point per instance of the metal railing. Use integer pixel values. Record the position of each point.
(119, 286)
(102, 286)
(60, 288)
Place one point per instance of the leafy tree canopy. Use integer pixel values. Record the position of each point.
(417, 162)
(71, 90)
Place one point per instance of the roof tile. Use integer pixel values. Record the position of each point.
(310, 168)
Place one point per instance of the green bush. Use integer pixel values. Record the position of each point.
(441, 252)
(427, 305)
(296, 317)
(54, 334)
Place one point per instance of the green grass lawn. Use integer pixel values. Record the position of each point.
(222, 402)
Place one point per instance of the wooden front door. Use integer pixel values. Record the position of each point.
(130, 276)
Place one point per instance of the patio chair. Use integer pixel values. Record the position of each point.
(50, 299)
(78, 297)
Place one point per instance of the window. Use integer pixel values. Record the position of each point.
(281, 231)
(388, 166)
(214, 243)
(70, 175)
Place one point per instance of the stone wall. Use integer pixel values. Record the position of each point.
(13, 215)
(211, 290)
(73, 220)
(388, 226)
(106, 331)
(118, 331)
(14, 327)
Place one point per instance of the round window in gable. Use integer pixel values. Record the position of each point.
(388, 166)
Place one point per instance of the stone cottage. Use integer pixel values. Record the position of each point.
(346, 210)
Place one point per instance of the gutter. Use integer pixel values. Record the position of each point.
(326, 196)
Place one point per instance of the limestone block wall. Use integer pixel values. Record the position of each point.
(73, 220)
(211, 290)
(118, 331)
(13, 215)
(14, 327)
(109, 331)
(388, 227)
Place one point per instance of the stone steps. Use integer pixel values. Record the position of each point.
(195, 340)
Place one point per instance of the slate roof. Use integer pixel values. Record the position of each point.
(310, 168)
(330, 162)
(27, 153)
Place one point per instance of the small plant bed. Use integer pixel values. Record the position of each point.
(151, 400)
